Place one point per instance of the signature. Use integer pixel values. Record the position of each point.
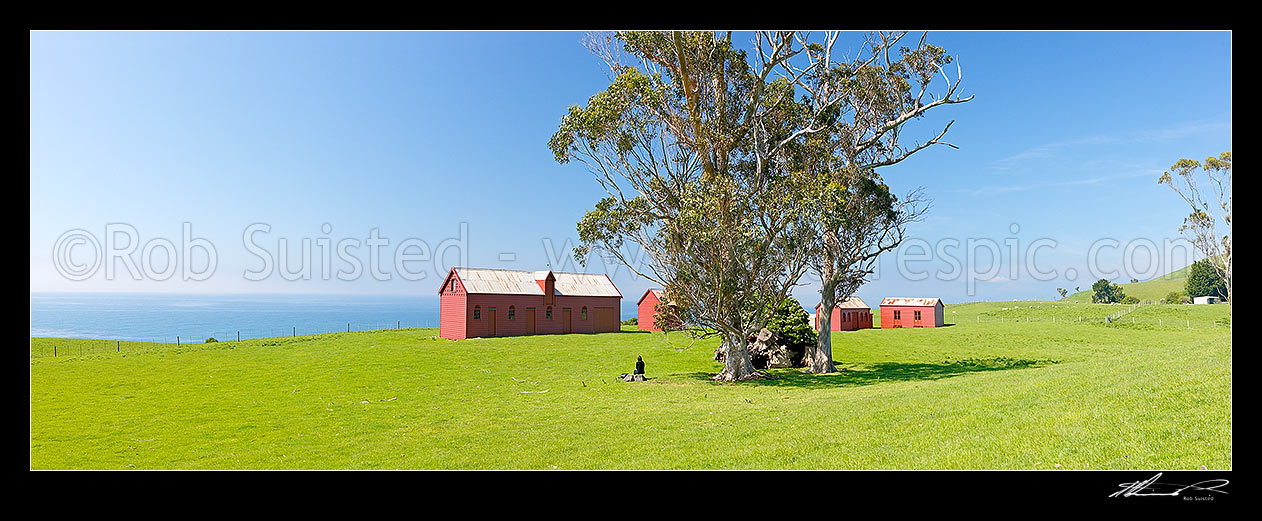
(1151, 487)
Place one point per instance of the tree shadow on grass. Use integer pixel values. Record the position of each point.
(856, 376)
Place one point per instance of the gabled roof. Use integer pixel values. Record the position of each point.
(902, 301)
(519, 282)
(852, 302)
(659, 293)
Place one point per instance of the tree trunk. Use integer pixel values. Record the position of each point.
(737, 365)
(821, 361)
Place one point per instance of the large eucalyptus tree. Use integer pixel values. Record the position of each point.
(687, 141)
(736, 171)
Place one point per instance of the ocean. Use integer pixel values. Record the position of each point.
(194, 318)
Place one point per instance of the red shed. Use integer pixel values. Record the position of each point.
(480, 302)
(849, 315)
(911, 312)
(647, 307)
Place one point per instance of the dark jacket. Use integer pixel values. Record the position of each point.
(639, 367)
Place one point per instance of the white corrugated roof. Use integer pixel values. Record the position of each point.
(904, 301)
(586, 284)
(852, 302)
(517, 282)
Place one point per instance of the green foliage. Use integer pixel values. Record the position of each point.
(211, 340)
(1129, 300)
(1204, 280)
(631, 321)
(792, 325)
(1105, 292)
(1173, 297)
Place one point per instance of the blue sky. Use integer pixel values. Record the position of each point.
(415, 133)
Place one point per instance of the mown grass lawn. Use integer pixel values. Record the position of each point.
(971, 396)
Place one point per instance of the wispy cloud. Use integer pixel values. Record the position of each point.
(1180, 131)
(1048, 150)
(1158, 135)
(999, 189)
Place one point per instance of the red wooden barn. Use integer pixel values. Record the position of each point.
(478, 302)
(911, 312)
(849, 315)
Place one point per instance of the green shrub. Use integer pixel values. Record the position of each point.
(633, 321)
(1130, 300)
(1173, 297)
(792, 326)
(211, 340)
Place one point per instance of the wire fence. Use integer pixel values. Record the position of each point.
(1185, 323)
(60, 347)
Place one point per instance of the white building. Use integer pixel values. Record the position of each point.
(1206, 300)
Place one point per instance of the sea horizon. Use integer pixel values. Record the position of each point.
(195, 317)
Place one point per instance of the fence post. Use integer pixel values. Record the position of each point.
(177, 340)
(238, 335)
(348, 327)
(295, 332)
(118, 346)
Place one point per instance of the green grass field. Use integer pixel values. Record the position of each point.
(1032, 395)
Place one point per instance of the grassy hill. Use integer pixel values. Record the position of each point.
(1155, 289)
(984, 395)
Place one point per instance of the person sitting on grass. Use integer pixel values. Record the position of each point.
(639, 365)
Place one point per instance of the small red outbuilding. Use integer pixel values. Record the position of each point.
(911, 312)
(479, 302)
(849, 315)
(647, 307)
